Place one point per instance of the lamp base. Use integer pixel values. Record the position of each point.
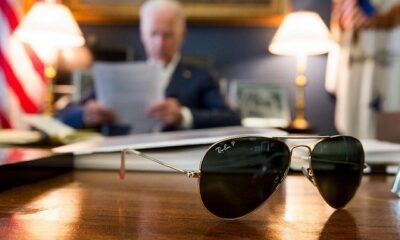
(299, 125)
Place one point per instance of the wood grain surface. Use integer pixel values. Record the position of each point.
(97, 205)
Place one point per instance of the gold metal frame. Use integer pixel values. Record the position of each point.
(190, 174)
(197, 174)
(257, 12)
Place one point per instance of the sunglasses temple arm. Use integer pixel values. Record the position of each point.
(191, 174)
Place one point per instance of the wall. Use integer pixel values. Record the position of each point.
(241, 52)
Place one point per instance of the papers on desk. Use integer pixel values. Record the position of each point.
(380, 152)
(187, 158)
(47, 129)
(381, 156)
(185, 149)
(128, 89)
(181, 148)
(164, 139)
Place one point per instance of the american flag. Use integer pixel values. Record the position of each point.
(22, 81)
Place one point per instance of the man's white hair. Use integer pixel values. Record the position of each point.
(170, 5)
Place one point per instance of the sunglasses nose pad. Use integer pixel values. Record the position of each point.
(308, 173)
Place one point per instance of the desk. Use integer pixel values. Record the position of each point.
(97, 205)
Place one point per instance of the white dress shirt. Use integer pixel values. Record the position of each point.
(168, 70)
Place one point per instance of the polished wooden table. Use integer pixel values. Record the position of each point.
(97, 205)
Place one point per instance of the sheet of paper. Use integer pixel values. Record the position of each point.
(128, 89)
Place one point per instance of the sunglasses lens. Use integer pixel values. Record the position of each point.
(337, 164)
(238, 175)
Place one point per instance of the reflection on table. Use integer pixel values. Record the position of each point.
(97, 205)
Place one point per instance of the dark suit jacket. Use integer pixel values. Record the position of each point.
(194, 87)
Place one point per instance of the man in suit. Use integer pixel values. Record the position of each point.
(192, 96)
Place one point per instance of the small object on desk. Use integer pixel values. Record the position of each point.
(22, 165)
(56, 131)
(19, 137)
(396, 184)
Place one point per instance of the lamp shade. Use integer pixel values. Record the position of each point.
(50, 24)
(301, 33)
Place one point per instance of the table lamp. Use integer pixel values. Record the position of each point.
(49, 27)
(301, 34)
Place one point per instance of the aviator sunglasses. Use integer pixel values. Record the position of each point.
(238, 174)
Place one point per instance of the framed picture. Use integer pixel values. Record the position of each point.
(261, 12)
(260, 104)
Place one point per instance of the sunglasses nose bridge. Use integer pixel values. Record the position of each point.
(301, 146)
(307, 172)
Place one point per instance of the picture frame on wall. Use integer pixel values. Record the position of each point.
(260, 104)
(254, 12)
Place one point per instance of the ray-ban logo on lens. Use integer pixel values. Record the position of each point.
(225, 147)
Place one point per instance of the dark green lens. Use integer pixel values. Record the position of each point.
(238, 175)
(337, 164)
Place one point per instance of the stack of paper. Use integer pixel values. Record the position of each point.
(186, 158)
(165, 139)
(184, 149)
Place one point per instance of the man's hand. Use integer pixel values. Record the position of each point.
(167, 111)
(95, 114)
